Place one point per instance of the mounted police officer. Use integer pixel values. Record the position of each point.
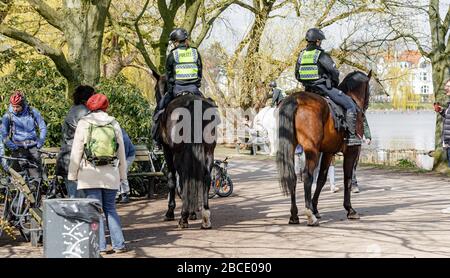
(276, 95)
(318, 73)
(183, 71)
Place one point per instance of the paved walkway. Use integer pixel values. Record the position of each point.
(400, 217)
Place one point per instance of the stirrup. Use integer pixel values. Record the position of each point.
(354, 140)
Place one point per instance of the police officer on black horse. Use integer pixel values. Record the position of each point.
(183, 72)
(318, 73)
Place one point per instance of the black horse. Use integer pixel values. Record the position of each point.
(188, 132)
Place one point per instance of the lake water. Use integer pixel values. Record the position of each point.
(400, 135)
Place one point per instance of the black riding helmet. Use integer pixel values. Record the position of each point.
(314, 34)
(178, 34)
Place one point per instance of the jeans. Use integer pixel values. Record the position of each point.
(72, 191)
(339, 98)
(107, 198)
(33, 156)
(124, 185)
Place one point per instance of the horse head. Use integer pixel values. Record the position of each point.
(356, 85)
(160, 87)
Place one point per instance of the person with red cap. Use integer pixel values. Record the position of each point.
(24, 132)
(98, 165)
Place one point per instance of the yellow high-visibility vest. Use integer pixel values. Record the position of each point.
(309, 70)
(186, 64)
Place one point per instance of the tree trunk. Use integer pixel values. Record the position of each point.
(251, 80)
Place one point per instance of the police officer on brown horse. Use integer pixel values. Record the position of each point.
(318, 73)
(183, 72)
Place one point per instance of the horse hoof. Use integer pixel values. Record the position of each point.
(294, 220)
(318, 216)
(169, 217)
(206, 227)
(183, 225)
(193, 216)
(353, 216)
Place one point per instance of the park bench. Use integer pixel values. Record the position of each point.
(149, 172)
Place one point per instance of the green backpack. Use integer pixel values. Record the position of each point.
(101, 146)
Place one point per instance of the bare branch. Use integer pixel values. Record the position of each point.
(55, 54)
(246, 6)
(53, 17)
(141, 45)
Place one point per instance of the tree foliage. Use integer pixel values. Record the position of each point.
(44, 88)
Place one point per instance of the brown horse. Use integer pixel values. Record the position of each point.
(305, 119)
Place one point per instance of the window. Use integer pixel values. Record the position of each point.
(424, 76)
(425, 90)
(424, 64)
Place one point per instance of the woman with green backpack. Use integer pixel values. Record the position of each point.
(98, 164)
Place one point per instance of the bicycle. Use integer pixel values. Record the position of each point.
(221, 183)
(55, 185)
(19, 199)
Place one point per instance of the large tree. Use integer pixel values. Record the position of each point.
(80, 23)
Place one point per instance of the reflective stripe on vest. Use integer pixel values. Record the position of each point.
(309, 70)
(186, 64)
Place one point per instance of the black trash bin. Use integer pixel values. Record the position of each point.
(71, 228)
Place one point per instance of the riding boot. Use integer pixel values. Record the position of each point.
(353, 138)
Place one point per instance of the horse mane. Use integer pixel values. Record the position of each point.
(352, 81)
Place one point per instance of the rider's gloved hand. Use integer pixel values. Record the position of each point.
(10, 144)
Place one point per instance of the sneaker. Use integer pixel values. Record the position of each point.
(447, 210)
(106, 252)
(334, 188)
(355, 189)
(122, 250)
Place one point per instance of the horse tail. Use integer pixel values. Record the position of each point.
(287, 144)
(193, 175)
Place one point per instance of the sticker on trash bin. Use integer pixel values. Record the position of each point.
(94, 226)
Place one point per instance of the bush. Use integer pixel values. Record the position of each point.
(406, 163)
(45, 89)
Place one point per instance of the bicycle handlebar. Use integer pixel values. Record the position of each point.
(19, 159)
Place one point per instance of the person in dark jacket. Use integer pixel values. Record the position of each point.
(276, 95)
(183, 71)
(130, 153)
(24, 132)
(77, 111)
(445, 113)
(368, 137)
(318, 73)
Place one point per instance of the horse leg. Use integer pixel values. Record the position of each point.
(294, 210)
(171, 183)
(206, 213)
(311, 163)
(323, 173)
(350, 158)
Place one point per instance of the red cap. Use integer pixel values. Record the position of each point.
(17, 98)
(97, 102)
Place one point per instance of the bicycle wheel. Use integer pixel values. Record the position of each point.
(226, 187)
(215, 182)
(4, 208)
